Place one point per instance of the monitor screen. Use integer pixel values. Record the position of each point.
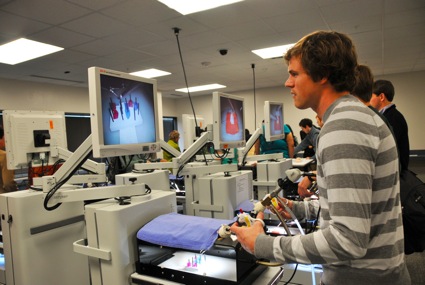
(124, 113)
(273, 121)
(31, 133)
(228, 121)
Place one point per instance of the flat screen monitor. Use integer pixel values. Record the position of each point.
(124, 113)
(189, 128)
(228, 121)
(273, 121)
(29, 133)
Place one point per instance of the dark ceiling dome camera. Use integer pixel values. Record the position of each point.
(223, 51)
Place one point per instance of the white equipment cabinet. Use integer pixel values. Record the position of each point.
(220, 194)
(111, 234)
(38, 243)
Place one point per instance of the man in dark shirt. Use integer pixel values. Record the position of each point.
(382, 97)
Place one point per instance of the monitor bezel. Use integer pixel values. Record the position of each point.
(19, 127)
(219, 142)
(100, 149)
(269, 135)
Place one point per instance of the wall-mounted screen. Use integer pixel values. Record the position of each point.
(29, 133)
(273, 121)
(228, 121)
(124, 113)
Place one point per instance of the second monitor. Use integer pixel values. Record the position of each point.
(228, 121)
(273, 121)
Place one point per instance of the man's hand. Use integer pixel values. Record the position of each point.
(303, 186)
(247, 235)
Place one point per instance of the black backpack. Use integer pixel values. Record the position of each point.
(412, 196)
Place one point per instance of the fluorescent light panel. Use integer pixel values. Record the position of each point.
(185, 7)
(150, 73)
(272, 52)
(202, 88)
(22, 50)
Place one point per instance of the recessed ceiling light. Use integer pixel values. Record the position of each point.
(201, 88)
(23, 50)
(185, 7)
(150, 73)
(272, 52)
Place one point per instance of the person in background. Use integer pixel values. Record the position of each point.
(309, 142)
(363, 91)
(360, 239)
(294, 136)
(382, 97)
(247, 135)
(173, 140)
(285, 146)
(7, 182)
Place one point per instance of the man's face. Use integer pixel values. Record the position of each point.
(305, 92)
(305, 129)
(375, 101)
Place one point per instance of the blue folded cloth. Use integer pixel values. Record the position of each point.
(181, 231)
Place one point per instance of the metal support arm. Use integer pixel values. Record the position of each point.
(71, 163)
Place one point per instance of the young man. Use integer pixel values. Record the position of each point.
(310, 140)
(383, 95)
(360, 240)
(7, 182)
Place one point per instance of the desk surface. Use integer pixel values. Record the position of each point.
(301, 162)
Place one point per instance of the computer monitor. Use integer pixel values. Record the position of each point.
(30, 133)
(124, 113)
(273, 121)
(189, 128)
(228, 121)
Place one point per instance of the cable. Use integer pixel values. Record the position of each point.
(255, 103)
(293, 274)
(58, 185)
(176, 33)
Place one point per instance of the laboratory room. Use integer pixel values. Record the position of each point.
(228, 142)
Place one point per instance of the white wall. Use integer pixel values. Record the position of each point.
(409, 98)
(24, 95)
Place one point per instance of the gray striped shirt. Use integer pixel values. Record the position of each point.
(361, 233)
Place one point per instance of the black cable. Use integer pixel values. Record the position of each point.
(293, 274)
(58, 185)
(224, 155)
(255, 103)
(176, 33)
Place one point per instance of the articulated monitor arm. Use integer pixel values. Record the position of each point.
(181, 159)
(165, 146)
(73, 161)
(185, 156)
(53, 183)
(250, 143)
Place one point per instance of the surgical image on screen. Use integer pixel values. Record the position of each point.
(232, 128)
(127, 111)
(276, 119)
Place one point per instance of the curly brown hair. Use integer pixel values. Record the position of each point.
(173, 135)
(327, 54)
